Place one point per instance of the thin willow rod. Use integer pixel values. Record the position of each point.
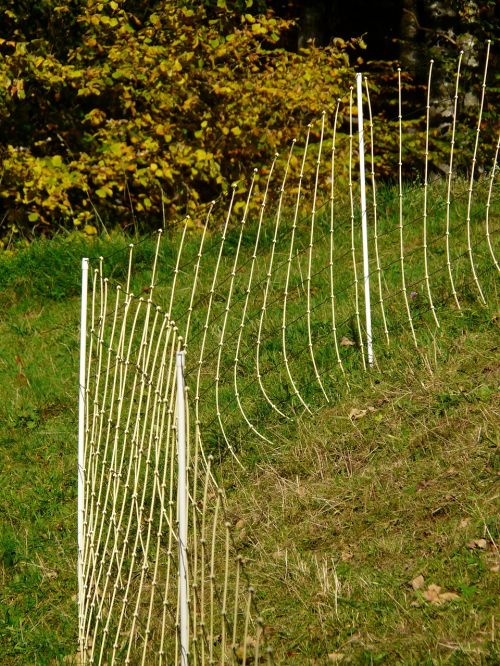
(152, 418)
(227, 525)
(488, 204)
(426, 187)
(250, 593)
(177, 264)
(196, 273)
(288, 271)
(450, 173)
(193, 551)
(400, 188)
(90, 433)
(310, 260)
(332, 240)
(375, 212)
(353, 248)
(472, 172)
(143, 349)
(157, 489)
(129, 271)
(203, 558)
(205, 326)
(234, 645)
(212, 580)
(266, 290)
(168, 516)
(258, 637)
(224, 324)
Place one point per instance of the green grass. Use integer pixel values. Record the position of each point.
(337, 514)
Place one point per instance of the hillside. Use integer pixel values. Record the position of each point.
(368, 524)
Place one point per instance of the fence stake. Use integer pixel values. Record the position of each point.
(182, 510)
(81, 453)
(364, 223)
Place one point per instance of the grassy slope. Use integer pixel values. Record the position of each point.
(336, 519)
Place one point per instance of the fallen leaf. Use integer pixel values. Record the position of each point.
(345, 342)
(482, 544)
(335, 656)
(355, 414)
(239, 524)
(418, 582)
(436, 596)
(448, 596)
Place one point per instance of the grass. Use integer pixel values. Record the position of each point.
(337, 514)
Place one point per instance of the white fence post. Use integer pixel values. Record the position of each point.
(182, 510)
(81, 451)
(364, 223)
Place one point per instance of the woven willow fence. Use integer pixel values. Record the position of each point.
(299, 270)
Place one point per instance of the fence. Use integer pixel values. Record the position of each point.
(303, 292)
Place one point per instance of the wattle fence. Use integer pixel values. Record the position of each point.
(280, 298)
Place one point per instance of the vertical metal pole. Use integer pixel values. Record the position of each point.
(182, 510)
(364, 223)
(81, 449)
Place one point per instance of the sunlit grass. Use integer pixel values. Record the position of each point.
(341, 509)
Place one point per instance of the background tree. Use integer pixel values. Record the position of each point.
(111, 105)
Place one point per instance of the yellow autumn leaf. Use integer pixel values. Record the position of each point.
(90, 230)
(434, 594)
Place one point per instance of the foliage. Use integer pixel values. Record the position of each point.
(149, 106)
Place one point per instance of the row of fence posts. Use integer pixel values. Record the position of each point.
(182, 491)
